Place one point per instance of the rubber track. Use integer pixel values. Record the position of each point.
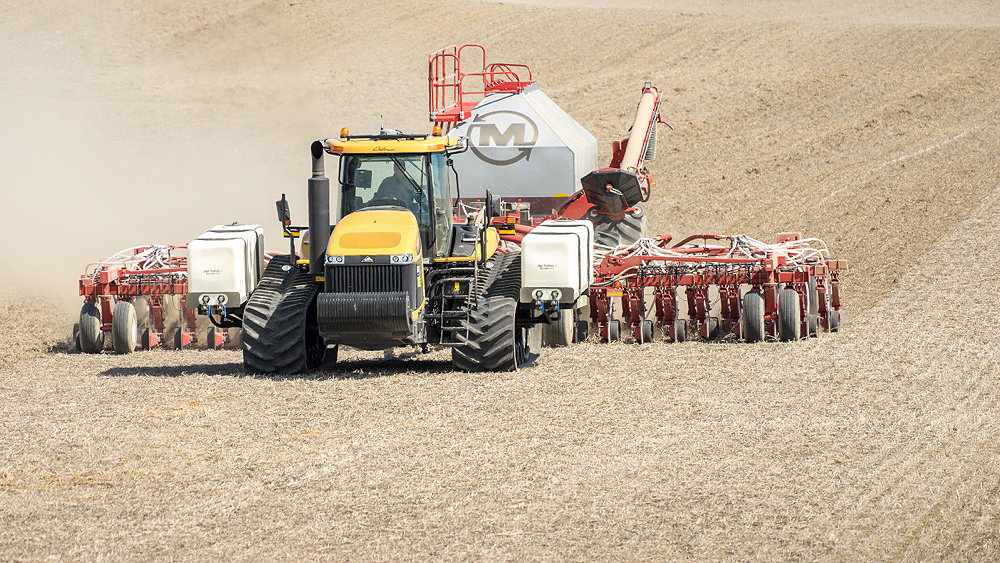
(505, 280)
(491, 344)
(274, 322)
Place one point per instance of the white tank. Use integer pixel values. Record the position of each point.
(556, 260)
(224, 265)
(523, 146)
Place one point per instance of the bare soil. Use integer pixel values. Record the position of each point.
(873, 127)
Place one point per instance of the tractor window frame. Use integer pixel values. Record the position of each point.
(431, 242)
(443, 203)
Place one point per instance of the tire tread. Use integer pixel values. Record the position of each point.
(274, 335)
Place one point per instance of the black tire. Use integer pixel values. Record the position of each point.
(280, 333)
(235, 341)
(124, 328)
(752, 320)
(144, 337)
(714, 328)
(813, 293)
(614, 233)
(789, 316)
(178, 338)
(680, 330)
(173, 320)
(582, 331)
(614, 330)
(559, 333)
(646, 331)
(834, 321)
(76, 337)
(210, 338)
(91, 335)
(812, 321)
(143, 315)
(495, 342)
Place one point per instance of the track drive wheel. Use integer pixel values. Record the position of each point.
(91, 335)
(124, 328)
(789, 316)
(280, 332)
(495, 342)
(559, 333)
(752, 318)
(613, 233)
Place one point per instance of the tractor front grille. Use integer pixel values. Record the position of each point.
(374, 278)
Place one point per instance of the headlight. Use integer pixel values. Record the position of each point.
(402, 258)
(333, 259)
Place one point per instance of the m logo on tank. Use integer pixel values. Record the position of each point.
(502, 129)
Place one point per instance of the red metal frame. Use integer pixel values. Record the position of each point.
(123, 281)
(700, 267)
(455, 87)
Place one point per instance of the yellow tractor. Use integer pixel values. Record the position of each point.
(397, 269)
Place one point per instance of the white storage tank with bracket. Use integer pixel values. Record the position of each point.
(224, 265)
(556, 262)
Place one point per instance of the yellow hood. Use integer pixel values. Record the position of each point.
(376, 231)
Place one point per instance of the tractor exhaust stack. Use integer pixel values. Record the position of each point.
(319, 211)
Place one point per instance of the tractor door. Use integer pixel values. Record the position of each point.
(443, 204)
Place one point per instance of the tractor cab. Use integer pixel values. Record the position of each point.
(396, 171)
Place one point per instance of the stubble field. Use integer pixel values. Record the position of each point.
(873, 128)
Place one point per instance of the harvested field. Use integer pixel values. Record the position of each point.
(871, 127)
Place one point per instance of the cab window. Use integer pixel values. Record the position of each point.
(375, 180)
(443, 204)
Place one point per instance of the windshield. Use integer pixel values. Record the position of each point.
(402, 180)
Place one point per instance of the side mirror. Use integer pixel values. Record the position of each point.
(494, 205)
(284, 215)
(363, 179)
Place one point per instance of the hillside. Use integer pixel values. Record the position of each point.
(873, 128)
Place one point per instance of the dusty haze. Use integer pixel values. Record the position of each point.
(873, 127)
(130, 123)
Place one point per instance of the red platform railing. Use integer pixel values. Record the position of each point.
(459, 77)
